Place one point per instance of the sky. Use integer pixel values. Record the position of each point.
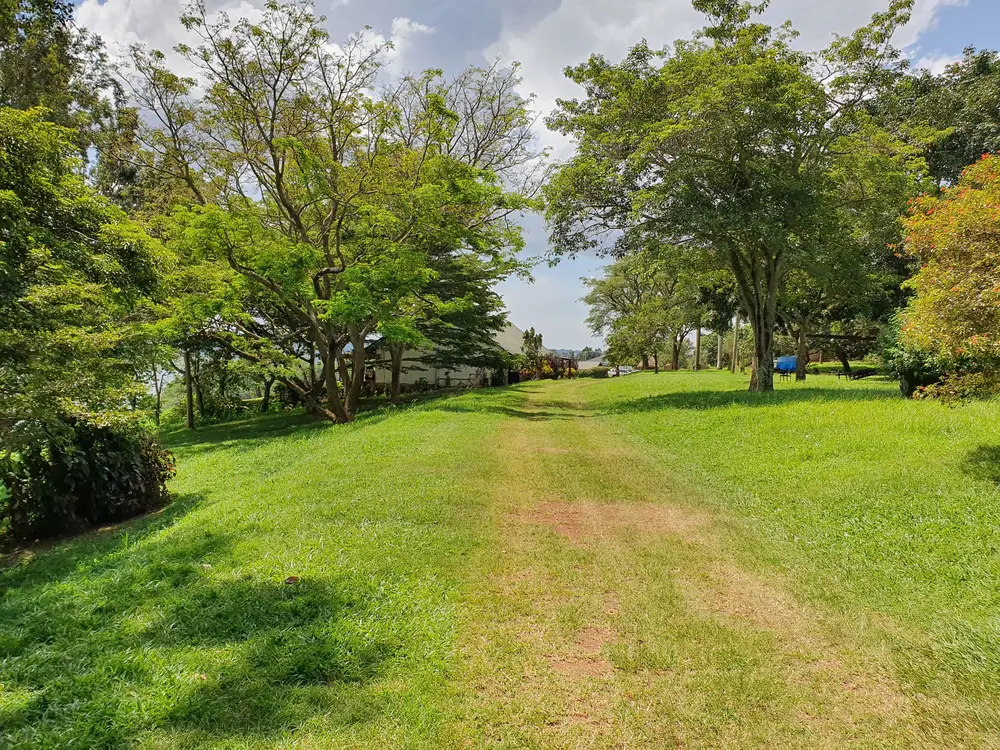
(545, 36)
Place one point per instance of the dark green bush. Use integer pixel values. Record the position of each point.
(913, 368)
(594, 372)
(80, 472)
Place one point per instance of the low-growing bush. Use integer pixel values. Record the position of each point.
(78, 472)
(915, 369)
(594, 372)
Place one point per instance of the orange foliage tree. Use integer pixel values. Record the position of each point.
(956, 310)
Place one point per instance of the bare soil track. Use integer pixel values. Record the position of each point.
(613, 616)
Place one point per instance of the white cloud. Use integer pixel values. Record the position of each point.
(936, 63)
(578, 28)
(401, 35)
(156, 24)
(152, 22)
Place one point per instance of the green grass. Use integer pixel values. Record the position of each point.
(873, 504)
(646, 561)
(178, 631)
(832, 368)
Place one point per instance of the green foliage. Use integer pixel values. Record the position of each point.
(532, 362)
(729, 145)
(80, 472)
(953, 113)
(915, 368)
(594, 372)
(646, 303)
(75, 274)
(47, 61)
(334, 216)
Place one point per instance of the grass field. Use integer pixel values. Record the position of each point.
(650, 561)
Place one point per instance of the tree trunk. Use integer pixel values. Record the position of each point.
(189, 388)
(335, 405)
(645, 362)
(718, 356)
(395, 388)
(763, 351)
(353, 394)
(311, 403)
(844, 360)
(265, 402)
(675, 356)
(802, 355)
(656, 364)
(697, 347)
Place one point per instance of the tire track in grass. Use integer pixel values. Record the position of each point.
(611, 615)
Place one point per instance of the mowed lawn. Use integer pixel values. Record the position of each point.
(651, 561)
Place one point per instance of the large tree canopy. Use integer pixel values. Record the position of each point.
(322, 210)
(73, 270)
(732, 143)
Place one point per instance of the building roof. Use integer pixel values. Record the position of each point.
(590, 364)
(512, 339)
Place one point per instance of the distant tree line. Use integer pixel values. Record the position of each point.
(804, 207)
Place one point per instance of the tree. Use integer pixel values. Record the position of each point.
(308, 205)
(731, 143)
(956, 311)
(75, 270)
(458, 315)
(646, 303)
(47, 61)
(955, 113)
(531, 352)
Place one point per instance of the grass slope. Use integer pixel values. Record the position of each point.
(180, 631)
(647, 561)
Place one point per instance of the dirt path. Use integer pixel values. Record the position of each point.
(612, 616)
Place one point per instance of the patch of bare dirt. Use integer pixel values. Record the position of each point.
(580, 520)
(584, 658)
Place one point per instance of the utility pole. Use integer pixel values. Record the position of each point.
(736, 345)
(189, 388)
(697, 346)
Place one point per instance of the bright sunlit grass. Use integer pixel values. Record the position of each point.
(436, 606)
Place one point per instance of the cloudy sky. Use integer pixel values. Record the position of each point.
(545, 36)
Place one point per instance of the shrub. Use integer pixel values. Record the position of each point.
(914, 368)
(79, 472)
(594, 372)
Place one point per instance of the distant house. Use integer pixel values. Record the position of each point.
(591, 364)
(417, 373)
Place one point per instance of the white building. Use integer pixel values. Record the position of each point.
(510, 339)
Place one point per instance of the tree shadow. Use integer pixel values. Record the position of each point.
(23, 564)
(705, 400)
(983, 463)
(138, 629)
(255, 429)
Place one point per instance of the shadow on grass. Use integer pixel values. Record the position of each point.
(703, 400)
(984, 463)
(59, 555)
(111, 636)
(257, 429)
